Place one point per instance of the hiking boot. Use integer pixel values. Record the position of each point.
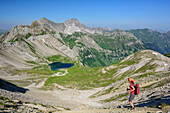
(133, 108)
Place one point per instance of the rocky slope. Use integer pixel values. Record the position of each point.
(12, 99)
(149, 68)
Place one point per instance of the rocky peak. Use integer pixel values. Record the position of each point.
(35, 23)
(71, 21)
(44, 19)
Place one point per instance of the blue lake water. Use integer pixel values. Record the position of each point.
(59, 65)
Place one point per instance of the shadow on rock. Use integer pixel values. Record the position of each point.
(152, 102)
(156, 101)
(11, 87)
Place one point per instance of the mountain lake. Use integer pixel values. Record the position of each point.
(55, 66)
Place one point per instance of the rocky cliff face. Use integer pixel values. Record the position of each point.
(73, 25)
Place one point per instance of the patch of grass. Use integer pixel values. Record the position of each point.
(157, 84)
(123, 100)
(80, 44)
(15, 39)
(70, 40)
(93, 58)
(53, 32)
(146, 67)
(164, 105)
(28, 35)
(59, 58)
(60, 40)
(47, 45)
(41, 70)
(167, 54)
(61, 34)
(38, 70)
(32, 48)
(3, 98)
(32, 62)
(78, 34)
(143, 75)
(42, 33)
(130, 62)
(1, 103)
(67, 108)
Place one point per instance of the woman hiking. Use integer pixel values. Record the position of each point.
(132, 92)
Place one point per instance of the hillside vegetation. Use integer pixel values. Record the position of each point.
(154, 40)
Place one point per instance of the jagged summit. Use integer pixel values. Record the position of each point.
(69, 26)
(44, 19)
(72, 20)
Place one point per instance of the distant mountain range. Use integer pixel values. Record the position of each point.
(3, 31)
(92, 46)
(153, 39)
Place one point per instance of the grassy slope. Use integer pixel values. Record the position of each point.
(81, 77)
(153, 39)
(168, 54)
(84, 78)
(114, 49)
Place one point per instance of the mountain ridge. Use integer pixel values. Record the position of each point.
(92, 46)
(153, 39)
(74, 39)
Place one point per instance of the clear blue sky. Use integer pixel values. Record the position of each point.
(123, 14)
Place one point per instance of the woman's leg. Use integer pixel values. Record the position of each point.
(131, 103)
(131, 100)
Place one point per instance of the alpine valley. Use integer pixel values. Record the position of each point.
(103, 60)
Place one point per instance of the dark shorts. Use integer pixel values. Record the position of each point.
(131, 97)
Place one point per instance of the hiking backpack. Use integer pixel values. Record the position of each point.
(136, 89)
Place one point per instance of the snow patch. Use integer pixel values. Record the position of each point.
(165, 64)
(154, 53)
(78, 30)
(43, 40)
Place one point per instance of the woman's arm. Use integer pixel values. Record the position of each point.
(133, 89)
